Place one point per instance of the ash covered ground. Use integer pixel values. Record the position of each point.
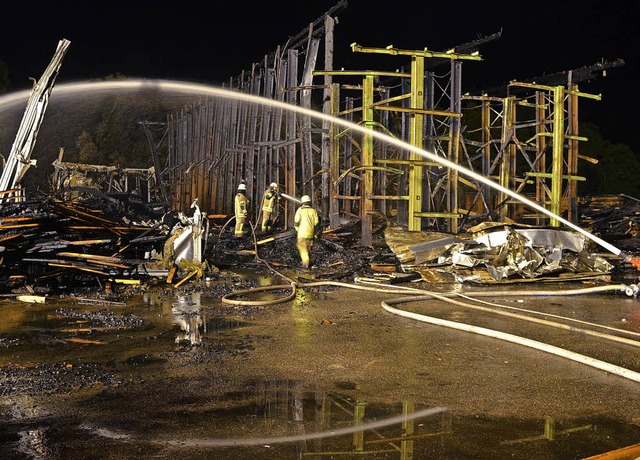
(89, 377)
(338, 255)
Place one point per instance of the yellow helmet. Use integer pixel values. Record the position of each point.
(242, 187)
(305, 199)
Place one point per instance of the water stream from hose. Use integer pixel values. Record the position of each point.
(73, 89)
(207, 90)
(290, 198)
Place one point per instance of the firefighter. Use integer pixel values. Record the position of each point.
(305, 222)
(270, 207)
(241, 205)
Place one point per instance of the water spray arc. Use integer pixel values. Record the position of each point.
(389, 305)
(206, 90)
(290, 198)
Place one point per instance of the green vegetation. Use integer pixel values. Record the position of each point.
(4, 77)
(101, 129)
(617, 168)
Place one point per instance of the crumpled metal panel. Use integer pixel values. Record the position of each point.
(528, 253)
(430, 250)
(464, 260)
(542, 237)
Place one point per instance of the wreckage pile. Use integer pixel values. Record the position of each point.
(54, 245)
(487, 253)
(49, 245)
(614, 218)
(337, 253)
(499, 252)
(495, 252)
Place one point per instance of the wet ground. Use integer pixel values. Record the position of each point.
(180, 374)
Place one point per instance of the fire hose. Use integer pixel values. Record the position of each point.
(414, 295)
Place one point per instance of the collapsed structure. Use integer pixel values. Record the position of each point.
(526, 141)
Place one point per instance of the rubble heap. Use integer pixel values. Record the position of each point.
(614, 218)
(337, 254)
(49, 244)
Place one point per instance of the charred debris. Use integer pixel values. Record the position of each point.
(87, 237)
(99, 241)
(100, 245)
(52, 245)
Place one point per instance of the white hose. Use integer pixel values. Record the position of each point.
(554, 293)
(550, 315)
(601, 335)
(568, 292)
(228, 298)
(427, 295)
(607, 367)
(445, 297)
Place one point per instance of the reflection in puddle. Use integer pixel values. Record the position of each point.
(188, 314)
(33, 444)
(328, 424)
(208, 414)
(284, 420)
(293, 423)
(549, 433)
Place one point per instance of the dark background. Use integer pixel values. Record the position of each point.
(213, 41)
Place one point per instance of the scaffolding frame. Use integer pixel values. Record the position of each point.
(526, 141)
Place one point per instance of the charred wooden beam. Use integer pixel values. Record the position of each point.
(19, 159)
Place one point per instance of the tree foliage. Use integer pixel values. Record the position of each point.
(102, 128)
(87, 149)
(617, 168)
(4, 77)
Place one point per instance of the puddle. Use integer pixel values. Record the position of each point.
(180, 375)
(33, 444)
(218, 324)
(258, 279)
(278, 420)
(194, 323)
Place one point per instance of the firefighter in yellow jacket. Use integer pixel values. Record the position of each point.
(241, 205)
(270, 204)
(305, 222)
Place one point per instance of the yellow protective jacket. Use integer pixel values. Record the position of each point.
(241, 205)
(305, 221)
(270, 200)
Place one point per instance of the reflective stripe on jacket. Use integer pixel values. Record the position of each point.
(241, 205)
(305, 221)
(269, 201)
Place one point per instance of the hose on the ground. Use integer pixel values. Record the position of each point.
(500, 311)
(229, 298)
(550, 315)
(602, 365)
(446, 297)
(225, 226)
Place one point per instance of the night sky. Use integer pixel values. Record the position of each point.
(210, 42)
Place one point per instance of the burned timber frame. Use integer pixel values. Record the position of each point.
(526, 140)
(19, 159)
